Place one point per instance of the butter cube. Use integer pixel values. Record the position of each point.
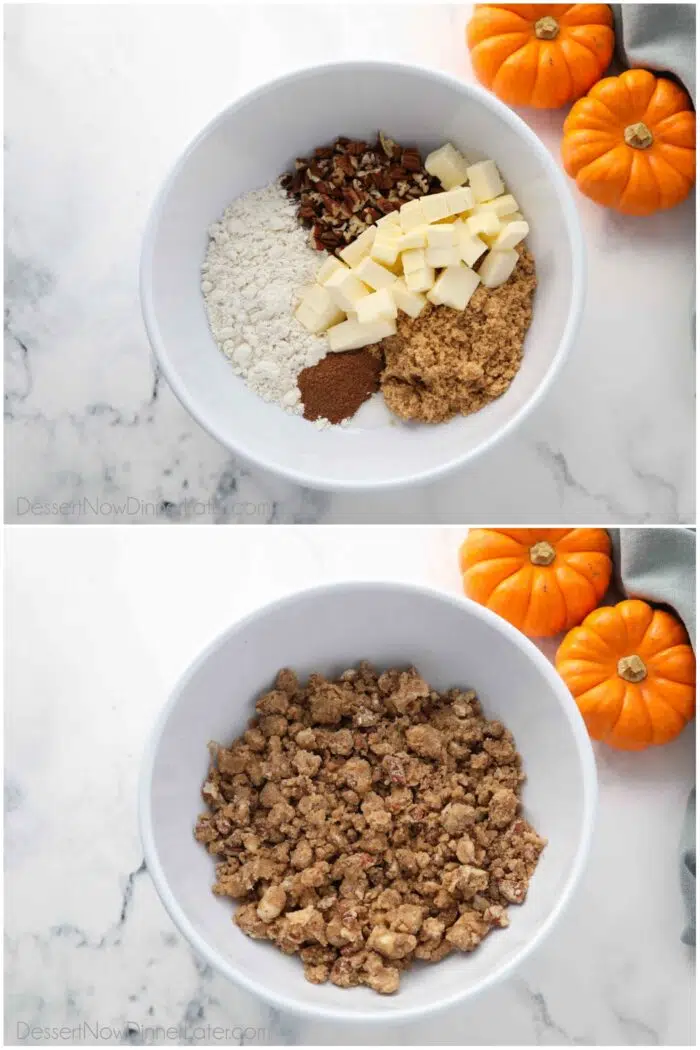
(443, 236)
(306, 316)
(497, 267)
(410, 302)
(385, 248)
(514, 216)
(379, 306)
(420, 280)
(511, 233)
(359, 248)
(448, 165)
(376, 276)
(390, 219)
(459, 200)
(454, 287)
(470, 247)
(485, 181)
(414, 239)
(413, 260)
(346, 289)
(330, 266)
(317, 297)
(435, 207)
(486, 222)
(504, 205)
(441, 257)
(317, 311)
(411, 215)
(352, 335)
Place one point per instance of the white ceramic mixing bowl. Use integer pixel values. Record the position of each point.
(254, 141)
(453, 642)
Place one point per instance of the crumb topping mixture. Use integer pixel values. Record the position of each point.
(367, 822)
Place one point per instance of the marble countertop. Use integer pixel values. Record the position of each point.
(99, 102)
(88, 942)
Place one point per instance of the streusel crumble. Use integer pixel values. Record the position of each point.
(368, 821)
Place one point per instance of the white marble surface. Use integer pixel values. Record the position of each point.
(100, 622)
(100, 100)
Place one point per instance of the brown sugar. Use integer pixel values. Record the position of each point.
(446, 363)
(335, 388)
(367, 822)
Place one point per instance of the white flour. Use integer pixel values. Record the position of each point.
(257, 262)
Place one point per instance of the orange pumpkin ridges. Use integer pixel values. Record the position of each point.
(541, 55)
(631, 671)
(630, 144)
(543, 581)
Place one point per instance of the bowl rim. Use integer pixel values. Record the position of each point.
(278, 999)
(578, 279)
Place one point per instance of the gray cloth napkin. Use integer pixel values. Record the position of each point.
(659, 37)
(658, 565)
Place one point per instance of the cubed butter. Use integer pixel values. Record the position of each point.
(308, 317)
(503, 205)
(358, 249)
(413, 259)
(346, 289)
(372, 273)
(511, 233)
(454, 287)
(441, 257)
(385, 248)
(330, 266)
(486, 222)
(352, 335)
(390, 219)
(497, 267)
(420, 280)
(392, 232)
(411, 215)
(435, 207)
(317, 310)
(470, 247)
(442, 236)
(485, 181)
(414, 239)
(448, 165)
(379, 306)
(385, 252)
(459, 200)
(410, 302)
(317, 297)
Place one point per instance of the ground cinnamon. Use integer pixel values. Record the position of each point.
(335, 388)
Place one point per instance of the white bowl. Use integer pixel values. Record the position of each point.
(453, 642)
(254, 141)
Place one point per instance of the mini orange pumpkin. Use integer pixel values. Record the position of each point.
(630, 144)
(541, 55)
(543, 581)
(632, 673)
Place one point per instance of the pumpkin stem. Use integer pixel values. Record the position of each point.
(638, 136)
(632, 669)
(547, 28)
(542, 553)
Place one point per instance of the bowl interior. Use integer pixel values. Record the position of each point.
(252, 143)
(453, 643)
